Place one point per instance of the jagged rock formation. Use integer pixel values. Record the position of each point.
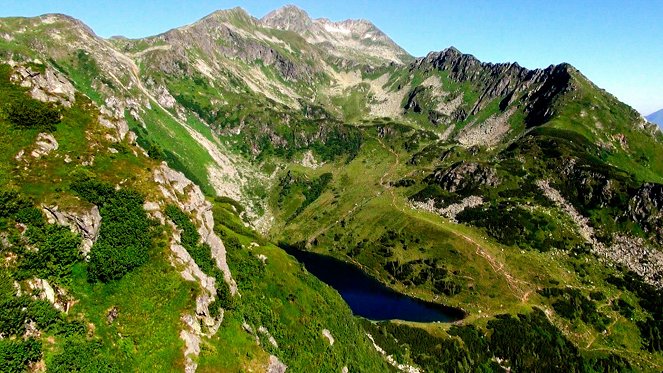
(533, 90)
(646, 208)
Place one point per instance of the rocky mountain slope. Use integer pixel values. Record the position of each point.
(354, 41)
(530, 199)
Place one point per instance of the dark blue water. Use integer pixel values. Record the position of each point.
(369, 298)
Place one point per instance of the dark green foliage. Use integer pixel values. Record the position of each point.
(30, 113)
(623, 307)
(433, 354)
(15, 312)
(11, 202)
(30, 216)
(80, 355)
(339, 142)
(422, 271)
(651, 300)
(201, 254)
(531, 343)
(125, 233)
(13, 315)
(311, 189)
(15, 355)
(57, 252)
(406, 182)
(514, 226)
(474, 341)
(572, 304)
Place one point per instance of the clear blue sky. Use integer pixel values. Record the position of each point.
(617, 44)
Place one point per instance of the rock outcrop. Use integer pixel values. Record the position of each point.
(85, 223)
(351, 40)
(646, 208)
(631, 252)
(56, 295)
(535, 90)
(47, 86)
(465, 177)
(177, 189)
(275, 365)
(45, 144)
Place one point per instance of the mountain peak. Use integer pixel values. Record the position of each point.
(236, 13)
(353, 39)
(290, 18)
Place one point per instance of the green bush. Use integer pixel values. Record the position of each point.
(15, 355)
(12, 202)
(80, 355)
(58, 251)
(30, 113)
(125, 234)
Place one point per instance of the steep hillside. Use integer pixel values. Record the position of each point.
(86, 216)
(530, 199)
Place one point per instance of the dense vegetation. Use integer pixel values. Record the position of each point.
(291, 184)
(572, 304)
(651, 300)
(124, 236)
(526, 343)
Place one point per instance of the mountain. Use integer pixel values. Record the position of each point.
(656, 117)
(356, 40)
(149, 187)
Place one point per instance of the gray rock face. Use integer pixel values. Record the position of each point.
(275, 365)
(188, 196)
(631, 252)
(358, 40)
(85, 223)
(646, 208)
(177, 189)
(536, 89)
(465, 177)
(45, 144)
(112, 116)
(57, 296)
(219, 33)
(49, 86)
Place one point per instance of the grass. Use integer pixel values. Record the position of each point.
(293, 305)
(145, 334)
(357, 211)
(183, 152)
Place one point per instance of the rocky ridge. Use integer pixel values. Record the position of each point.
(357, 40)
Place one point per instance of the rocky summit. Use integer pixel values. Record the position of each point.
(152, 189)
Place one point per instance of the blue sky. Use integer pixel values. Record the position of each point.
(617, 44)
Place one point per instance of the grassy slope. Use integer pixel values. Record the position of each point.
(500, 279)
(145, 334)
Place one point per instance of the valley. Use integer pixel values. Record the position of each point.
(244, 194)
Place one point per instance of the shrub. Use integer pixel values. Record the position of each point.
(80, 355)
(15, 355)
(58, 251)
(30, 113)
(125, 232)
